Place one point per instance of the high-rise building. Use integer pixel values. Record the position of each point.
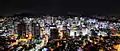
(35, 29)
(21, 28)
(54, 33)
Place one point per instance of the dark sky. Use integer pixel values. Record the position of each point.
(9, 7)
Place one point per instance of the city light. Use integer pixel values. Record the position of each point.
(51, 33)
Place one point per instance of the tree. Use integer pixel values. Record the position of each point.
(66, 34)
(80, 33)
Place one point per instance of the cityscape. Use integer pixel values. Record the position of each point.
(59, 33)
(59, 25)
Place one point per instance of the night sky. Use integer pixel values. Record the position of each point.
(9, 7)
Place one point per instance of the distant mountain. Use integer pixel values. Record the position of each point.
(25, 14)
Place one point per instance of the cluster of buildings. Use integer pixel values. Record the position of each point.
(74, 26)
(45, 28)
